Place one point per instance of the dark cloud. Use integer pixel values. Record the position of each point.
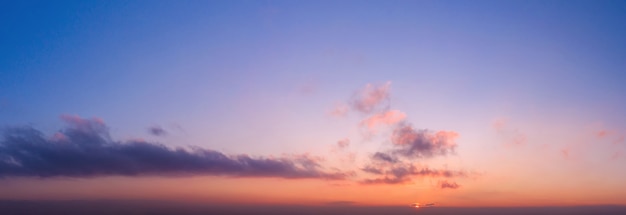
(380, 156)
(84, 149)
(413, 143)
(157, 131)
(373, 170)
(403, 173)
(448, 185)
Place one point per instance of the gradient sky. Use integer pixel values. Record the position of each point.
(480, 103)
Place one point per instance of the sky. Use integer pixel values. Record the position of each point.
(456, 103)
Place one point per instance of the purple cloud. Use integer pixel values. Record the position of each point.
(402, 173)
(84, 149)
(157, 131)
(448, 185)
(370, 98)
(384, 157)
(421, 143)
(343, 143)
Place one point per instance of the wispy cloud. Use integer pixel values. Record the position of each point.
(370, 98)
(619, 140)
(448, 185)
(386, 180)
(84, 149)
(157, 131)
(499, 124)
(403, 173)
(607, 134)
(340, 110)
(390, 117)
(512, 135)
(602, 133)
(384, 157)
(343, 143)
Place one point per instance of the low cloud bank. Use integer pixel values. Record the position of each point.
(85, 149)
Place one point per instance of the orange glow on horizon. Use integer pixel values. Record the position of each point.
(270, 191)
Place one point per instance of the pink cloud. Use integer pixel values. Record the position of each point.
(77, 120)
(386, 180)
(59, 137)
(448, 185)
(565, 153)
(616, 155)
(599, 131)
(343, 143)
(341, 152)
(499, 124)
(308, 88)
(519, 138)
(619, 140)
(602, 133)
(95, 124)
(368, 99)
(339, 110)
(512, 135)
(385, 118)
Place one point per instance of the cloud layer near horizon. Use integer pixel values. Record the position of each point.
(85, 149)
(402, 173)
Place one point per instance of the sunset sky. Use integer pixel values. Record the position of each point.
(457, 103)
